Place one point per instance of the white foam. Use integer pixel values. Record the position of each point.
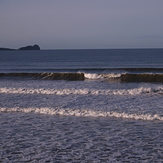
(101, 76)
(112, 75)
(92, 76)
(135, 91)
(83, 113)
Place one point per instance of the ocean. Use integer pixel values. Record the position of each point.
(81, 106)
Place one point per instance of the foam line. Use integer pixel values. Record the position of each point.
(83, 113)
(135, 91)
(102, 76)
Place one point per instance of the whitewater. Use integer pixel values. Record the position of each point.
(74, 121)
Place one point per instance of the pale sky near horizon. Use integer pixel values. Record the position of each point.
(81, 24)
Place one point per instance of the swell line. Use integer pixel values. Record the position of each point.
(83, 113)
(122, 77)
(49, 76)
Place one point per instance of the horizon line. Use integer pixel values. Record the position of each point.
(100, 48)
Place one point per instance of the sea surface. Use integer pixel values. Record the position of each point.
(81, 106)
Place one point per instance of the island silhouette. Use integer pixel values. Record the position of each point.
(34, 47)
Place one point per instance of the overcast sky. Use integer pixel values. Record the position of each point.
(81, 24)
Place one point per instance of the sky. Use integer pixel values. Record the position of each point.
(81, 24)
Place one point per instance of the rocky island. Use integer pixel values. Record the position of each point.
(34, 47)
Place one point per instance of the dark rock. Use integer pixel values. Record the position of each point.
(34, 47)
(1, 49)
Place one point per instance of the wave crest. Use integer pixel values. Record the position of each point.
(123, 77)
(102, 76)
(83, 113)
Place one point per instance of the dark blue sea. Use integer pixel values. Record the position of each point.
(81, 105)
(98, 61)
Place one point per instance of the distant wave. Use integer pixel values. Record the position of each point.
(123, 77)
(135, 91)
(83, 113)
(50, 76)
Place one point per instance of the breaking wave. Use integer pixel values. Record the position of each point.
(102, 76)
(135, 91)
(123, 77)
(83, 113)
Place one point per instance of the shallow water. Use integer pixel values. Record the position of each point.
(83, 98)
(63, 121)
(27, 137)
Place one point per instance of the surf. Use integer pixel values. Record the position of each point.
(84, 113)
(86, 91)
(80, 76)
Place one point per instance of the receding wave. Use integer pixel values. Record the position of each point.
(83, 113)
(123, 77)
(135, 91)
